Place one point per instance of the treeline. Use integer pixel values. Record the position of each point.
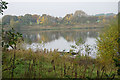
(79, 17)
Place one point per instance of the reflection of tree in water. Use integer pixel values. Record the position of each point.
(48, 36)
(93, 34)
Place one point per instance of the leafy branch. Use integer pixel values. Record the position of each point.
(3, 6)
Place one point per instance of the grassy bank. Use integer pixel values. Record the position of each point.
(43, 64)
(61, 27)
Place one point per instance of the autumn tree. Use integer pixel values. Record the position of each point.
(35, 16)
(67, 19)
(108, 43)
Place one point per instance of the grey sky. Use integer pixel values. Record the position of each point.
(60, 9)
(62, 0)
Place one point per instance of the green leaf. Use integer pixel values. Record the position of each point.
(73, 46)
(7, 46)
(2, 44)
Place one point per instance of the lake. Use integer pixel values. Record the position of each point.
(62, 40)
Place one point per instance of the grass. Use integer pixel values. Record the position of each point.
(29, 64)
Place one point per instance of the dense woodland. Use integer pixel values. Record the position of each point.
(78, 18)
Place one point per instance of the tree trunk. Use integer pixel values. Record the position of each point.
(64, 69)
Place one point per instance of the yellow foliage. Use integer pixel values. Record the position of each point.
(68, 17)
(104, 20)
(108, 45)
(42, 20)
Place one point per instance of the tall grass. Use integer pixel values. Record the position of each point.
(29, 64)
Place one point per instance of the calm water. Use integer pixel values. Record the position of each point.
(61, 40)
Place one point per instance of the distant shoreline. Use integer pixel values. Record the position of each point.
(60, 28)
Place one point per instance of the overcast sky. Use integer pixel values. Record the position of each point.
(61, 0)
(60, 8)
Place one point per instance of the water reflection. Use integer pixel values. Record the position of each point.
(61, 40)
(47, 36)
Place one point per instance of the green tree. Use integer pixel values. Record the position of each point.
(27, 19)
(15, 24)
(10, 38)
(108, 43)
(6, 19)
(117, 61)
